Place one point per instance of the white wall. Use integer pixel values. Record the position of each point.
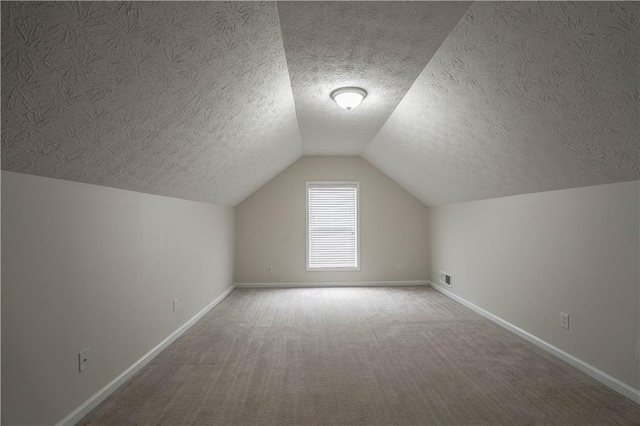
(527, 258)
(271, 226)
(89, 266)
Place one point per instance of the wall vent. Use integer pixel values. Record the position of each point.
(445, 278)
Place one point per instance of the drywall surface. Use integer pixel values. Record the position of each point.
(183, 99)
(529, 257)
(521, 97)
(271, 227)
(379, 46)
(89, 266)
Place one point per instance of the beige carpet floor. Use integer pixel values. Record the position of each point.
(343, 356)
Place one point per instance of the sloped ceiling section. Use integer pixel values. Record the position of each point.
(184, 99)
(521, 97)
(379, 46)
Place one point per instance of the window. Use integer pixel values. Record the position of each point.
(332, 226)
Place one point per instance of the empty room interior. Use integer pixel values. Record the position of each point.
(376, 213)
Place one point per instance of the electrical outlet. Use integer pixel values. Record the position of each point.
(400, 267)
(176, 305)
(638, 351)
(270, 269)
(564, 320)
(83, 359)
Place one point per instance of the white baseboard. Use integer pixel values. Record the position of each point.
(76, 415)
(331, 284)
(599, 375)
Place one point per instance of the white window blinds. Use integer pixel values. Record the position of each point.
(332, 225)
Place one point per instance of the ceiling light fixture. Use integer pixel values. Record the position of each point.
(348, 97)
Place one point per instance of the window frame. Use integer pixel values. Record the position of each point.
(306, 195)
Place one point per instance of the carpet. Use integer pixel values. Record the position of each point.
(347, 356)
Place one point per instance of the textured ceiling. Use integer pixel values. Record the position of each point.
(184, 99)
(380, 46)
(521, 97)
(196, 99)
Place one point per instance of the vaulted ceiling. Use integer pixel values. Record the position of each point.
(521, 97)
(208, 100)
(380, 46)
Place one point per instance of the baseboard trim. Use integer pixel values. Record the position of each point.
(76, 415)
(599, 375)
(332, 284)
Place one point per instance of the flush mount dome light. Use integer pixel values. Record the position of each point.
(348, 97)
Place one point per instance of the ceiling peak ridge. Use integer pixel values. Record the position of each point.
(364, 149)
(381, 47)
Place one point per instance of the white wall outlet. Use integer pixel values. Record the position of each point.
(176, 305)
(83, 359)
(270, 268)
(400, 267)
(564, 320)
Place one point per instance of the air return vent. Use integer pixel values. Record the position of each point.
(445, 278)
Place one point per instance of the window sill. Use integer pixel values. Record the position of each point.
(332, 269)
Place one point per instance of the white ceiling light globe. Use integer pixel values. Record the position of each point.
(348, 97)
